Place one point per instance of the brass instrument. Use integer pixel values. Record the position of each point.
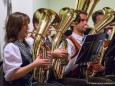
(106, 20)
(108, 17)
(32, 33)
(68, 15)
(86, 5)
(45, 17)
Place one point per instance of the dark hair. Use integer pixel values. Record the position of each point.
(14, 25)
(78, 19)
(81, 12)
(95, 14)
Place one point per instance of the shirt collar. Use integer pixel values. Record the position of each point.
(77, 37)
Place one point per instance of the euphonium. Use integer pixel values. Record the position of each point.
(45, 17)
(86, 5)
(67, 15)
(108, 17)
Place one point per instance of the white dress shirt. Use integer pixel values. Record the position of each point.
(72, 50)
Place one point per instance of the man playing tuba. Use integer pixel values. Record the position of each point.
(101, 67)
(74, 44)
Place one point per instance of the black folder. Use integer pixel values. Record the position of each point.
(90, 47)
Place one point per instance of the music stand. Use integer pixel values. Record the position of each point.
(109, 58)
(87, 31)
(111, 48)
(1, 62)
(90, 47)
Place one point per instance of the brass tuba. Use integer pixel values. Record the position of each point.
(68, 15)
(45, 17)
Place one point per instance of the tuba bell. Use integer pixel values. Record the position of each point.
(68, 15)
(46, 17)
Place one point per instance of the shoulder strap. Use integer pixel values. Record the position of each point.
(76, 44)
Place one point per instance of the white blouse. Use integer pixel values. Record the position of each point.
(11, 59)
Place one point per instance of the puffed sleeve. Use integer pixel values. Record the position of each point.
(11, 59)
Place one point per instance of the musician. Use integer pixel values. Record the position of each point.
(77, 37)
(74, 44)
(96, 17)
(18, 64)
(100, 67)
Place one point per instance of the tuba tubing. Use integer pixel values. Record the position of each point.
(109, 15)
(46, 17)
(68, 15)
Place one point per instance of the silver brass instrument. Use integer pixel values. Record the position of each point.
(68, 15)
(45, 17)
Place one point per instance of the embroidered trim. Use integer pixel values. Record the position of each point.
(76, 44)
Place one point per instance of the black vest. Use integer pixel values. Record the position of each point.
(26, 59)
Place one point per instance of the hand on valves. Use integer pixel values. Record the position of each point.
(40, 62)
(60, 53)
